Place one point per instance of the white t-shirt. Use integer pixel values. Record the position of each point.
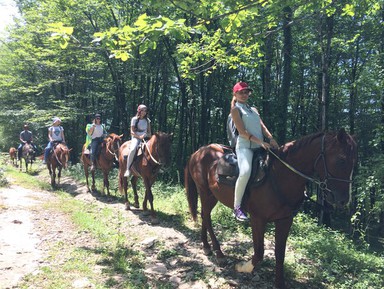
(142, 125)
(98, 131)
(56, 132)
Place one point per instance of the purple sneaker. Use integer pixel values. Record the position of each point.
(239, 215)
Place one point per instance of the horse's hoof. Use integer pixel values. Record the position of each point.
(127, 207)
(155, 221)
(136, 205)
(245, 267)
(146, 213)
(221, 261)
(207, 251)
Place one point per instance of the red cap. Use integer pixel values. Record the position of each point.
(241, 86)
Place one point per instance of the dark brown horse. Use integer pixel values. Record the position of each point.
(27, 153)
(156, 154)
(329, 156)
(13, 155)
(108, 154)
(58, 159)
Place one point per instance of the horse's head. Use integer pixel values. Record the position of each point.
(62, 153)
(335, 166)
(162, 147)
(114, 142)
(27, 150)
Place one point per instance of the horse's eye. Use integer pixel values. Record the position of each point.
(341, 161)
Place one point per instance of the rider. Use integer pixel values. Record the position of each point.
(140, 128)
(252, 132)
(25, 137)
(55, 134)
(96, 131)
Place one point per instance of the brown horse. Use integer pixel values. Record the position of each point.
(13, 155)
(109, 152)
(27, 154)
(58, 159)
(329, 156)
(156, 154)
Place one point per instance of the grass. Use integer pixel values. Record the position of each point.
(316, 258)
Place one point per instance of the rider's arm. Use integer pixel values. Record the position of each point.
(50, 135)
(62, 135)
(149, 131)
(21, 139)
(268, 135)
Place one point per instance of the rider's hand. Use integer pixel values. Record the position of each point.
(273, 143)
(265, 145)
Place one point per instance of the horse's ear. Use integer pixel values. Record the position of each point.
(342, 135)
(120, 136)
(70, 149)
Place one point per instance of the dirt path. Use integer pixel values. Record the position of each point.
(19, 240)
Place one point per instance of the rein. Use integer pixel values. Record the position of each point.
(57, 158)
(152, 158)
(322, 184)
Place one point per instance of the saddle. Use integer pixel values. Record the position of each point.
(227, 170)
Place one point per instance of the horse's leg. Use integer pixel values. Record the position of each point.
(148, 182)
(93, 180)
(59, 174)
(85, 167)
(258, 229)
(207, 205)
(105, 181)
(135, 196)
(282, 228)
(125, 188)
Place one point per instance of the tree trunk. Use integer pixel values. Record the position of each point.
(286, 81)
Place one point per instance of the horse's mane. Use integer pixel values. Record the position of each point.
(296, 145)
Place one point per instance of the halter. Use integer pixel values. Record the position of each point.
(152, 158)
(328, 176)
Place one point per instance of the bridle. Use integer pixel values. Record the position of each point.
(323, 184)
(113, 153)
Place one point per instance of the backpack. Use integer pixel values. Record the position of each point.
(232, 132)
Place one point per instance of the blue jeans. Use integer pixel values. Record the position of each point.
(94, 145)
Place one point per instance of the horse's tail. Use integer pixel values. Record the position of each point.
(191, 190)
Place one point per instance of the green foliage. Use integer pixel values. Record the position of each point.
(339, 263)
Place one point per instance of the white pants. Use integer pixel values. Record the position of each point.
(244, 159)
(132, 151)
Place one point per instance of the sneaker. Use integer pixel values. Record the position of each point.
(127, 173)
(239, 215)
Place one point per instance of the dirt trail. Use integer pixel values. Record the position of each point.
(19, 240)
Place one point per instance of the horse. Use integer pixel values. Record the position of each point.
(58, 158)
(108, 153)
(156, 153)
(27, 153)
(329, 156)
(13, 155)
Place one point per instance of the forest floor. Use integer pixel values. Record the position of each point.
(29, 231)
